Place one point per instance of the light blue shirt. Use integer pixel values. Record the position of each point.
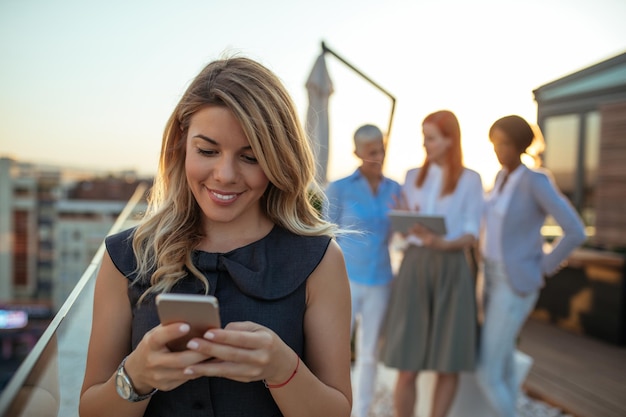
(353, 206)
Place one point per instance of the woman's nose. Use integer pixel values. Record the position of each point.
(225, 170)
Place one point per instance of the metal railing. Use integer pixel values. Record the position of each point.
(48, 381)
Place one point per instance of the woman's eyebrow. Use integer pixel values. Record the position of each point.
(206, 138)
(214, 142)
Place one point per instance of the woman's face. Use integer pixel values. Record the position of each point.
(222, 171)
(505, 149)
(435, 143)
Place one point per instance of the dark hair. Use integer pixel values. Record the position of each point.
(517, 129)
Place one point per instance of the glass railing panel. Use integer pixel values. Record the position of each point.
(48, 382)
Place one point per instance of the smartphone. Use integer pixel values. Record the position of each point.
(201, 312)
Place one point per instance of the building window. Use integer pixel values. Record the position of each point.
(560, 156)
(590, 163)
(572, 153)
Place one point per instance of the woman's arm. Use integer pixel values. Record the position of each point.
(439, 242)
(328, 391)
(150, 365)
(556, 205)
(108, 345)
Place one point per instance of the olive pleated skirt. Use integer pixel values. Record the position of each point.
(431, 320)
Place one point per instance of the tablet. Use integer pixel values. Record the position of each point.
(402, 220)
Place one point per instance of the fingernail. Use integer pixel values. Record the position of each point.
(184, 328)
(192, 344)
(209, 335)
(188, 371)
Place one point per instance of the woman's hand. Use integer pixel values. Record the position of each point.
(428, 238)
(243, 351)
(153, 365)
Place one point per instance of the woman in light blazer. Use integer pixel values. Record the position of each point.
(514, 259)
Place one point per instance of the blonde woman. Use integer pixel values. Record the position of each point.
(230, 215)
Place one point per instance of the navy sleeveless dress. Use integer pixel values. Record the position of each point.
(263, 282)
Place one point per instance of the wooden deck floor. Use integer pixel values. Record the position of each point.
(583, 376)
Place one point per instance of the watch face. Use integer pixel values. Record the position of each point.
(123, 386)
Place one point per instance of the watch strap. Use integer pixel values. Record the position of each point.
(134, 396)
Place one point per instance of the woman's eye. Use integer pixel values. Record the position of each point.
(249, 159)
(206, 152)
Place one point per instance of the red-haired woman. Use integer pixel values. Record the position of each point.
(431, 322)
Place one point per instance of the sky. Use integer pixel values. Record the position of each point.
(91, 84)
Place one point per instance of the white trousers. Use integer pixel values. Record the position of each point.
(369, 306)
(505, 311)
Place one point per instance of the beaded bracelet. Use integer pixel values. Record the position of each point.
(288, 379)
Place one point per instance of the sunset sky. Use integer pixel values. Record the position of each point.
(91, 84)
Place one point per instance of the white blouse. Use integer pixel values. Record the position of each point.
(462, 210)
(496, 204)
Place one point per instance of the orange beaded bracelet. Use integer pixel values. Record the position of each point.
(288, 379)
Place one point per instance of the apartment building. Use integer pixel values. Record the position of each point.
(52, 222)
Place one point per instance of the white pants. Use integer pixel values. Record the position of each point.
(369, 305)
(505, 311)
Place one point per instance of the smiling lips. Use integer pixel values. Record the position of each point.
(222, 197)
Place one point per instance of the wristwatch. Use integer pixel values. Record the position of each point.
(125, 388)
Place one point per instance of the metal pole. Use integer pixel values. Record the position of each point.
(326, 49)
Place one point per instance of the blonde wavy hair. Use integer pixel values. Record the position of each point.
(171, 230)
